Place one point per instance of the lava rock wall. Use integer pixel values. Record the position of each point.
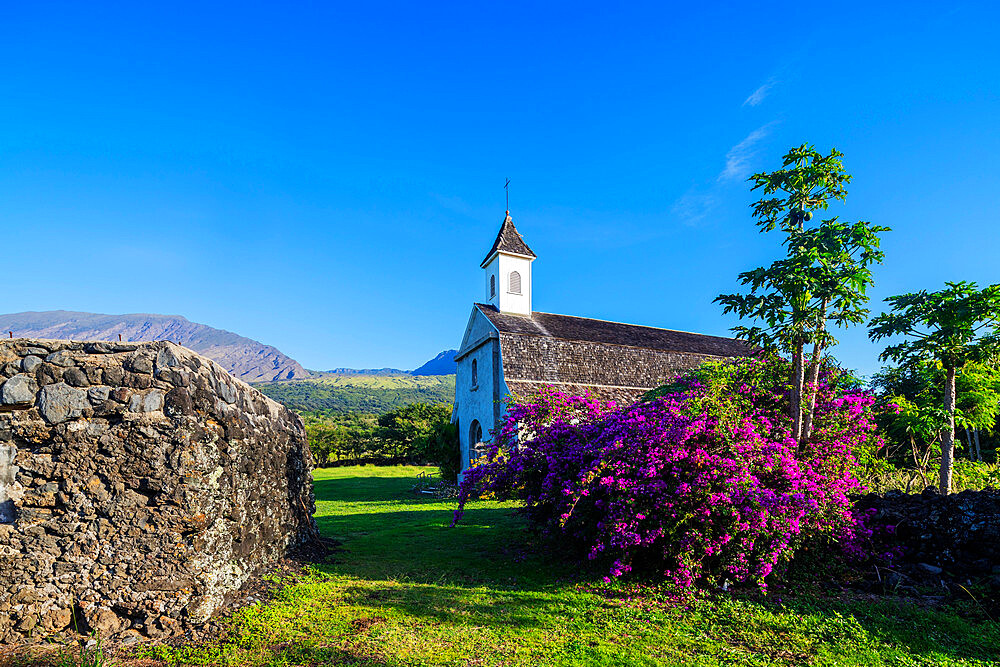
(958, 534)
(141, 486)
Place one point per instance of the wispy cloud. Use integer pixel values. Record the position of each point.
(739, 156)
(694, 206)
(757, 96)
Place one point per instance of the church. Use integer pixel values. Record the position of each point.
(510, 350)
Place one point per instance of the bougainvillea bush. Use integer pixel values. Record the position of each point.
(700, 483)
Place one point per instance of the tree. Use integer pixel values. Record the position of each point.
(422, 433)
(950, 328)
(840, 257)
(824, 276)
(914, 394)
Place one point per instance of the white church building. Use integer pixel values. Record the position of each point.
(511, 350)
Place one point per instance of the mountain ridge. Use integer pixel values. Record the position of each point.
(246, 358)
(442, 364)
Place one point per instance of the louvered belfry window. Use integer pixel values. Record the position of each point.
(515, 283)
(493, 286)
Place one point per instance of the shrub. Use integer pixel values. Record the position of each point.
(702, 483)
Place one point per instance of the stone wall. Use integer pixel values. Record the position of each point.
(141, 486)
(958, 534)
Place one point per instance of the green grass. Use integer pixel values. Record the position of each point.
(376, 394)
(405, 589)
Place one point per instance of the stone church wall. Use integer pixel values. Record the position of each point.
(141, 486)
(544, 359)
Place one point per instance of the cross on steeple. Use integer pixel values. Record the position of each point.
(506, 193)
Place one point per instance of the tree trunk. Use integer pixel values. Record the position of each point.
(979, 451)
(948, 433)
(796, 398)
(812, 389)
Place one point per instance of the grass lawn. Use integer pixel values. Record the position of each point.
(407, 590)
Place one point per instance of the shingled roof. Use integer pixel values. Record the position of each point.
(568, 327)
(508, 240)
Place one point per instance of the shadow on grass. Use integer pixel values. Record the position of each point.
(903, 622)
(490, 571)
(457, 605)
(373, 489)
(307, 654)
(489, 547)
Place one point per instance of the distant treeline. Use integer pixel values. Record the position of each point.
(369, 394)
(416, 433)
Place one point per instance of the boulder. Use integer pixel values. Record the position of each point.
(19, 389)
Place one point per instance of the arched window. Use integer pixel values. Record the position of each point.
(475, 373)
(515, 283)
(493, 286)
(475, 440)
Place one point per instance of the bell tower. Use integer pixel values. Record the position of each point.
(508, 271)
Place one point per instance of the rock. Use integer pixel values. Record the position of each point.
(114, 375)
(228, 392)
(59, 402)
(167, 358)
(121, 394)
(57, 619)
(104, 622)
(74, 377)
(98, 395)
(47, 374)
(927, 568)
(30, 363)
(20, 389)
(149, 402)
(8, 512)
(62, 358)
(141, 364)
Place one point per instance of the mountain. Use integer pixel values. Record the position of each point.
(375, 394)
(443, 364)
(245, 358)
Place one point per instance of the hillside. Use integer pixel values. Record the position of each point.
(247, 359)
(376, 394)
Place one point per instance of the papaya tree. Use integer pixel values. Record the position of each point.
(951, 329)
(823, 277)
(915, 393)
(840, 256)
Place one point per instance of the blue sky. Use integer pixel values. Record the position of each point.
(326, 177)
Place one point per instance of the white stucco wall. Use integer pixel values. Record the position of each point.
(500, 268)
(482, 402)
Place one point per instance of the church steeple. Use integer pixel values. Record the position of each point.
(508, 240)
(508, 271)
